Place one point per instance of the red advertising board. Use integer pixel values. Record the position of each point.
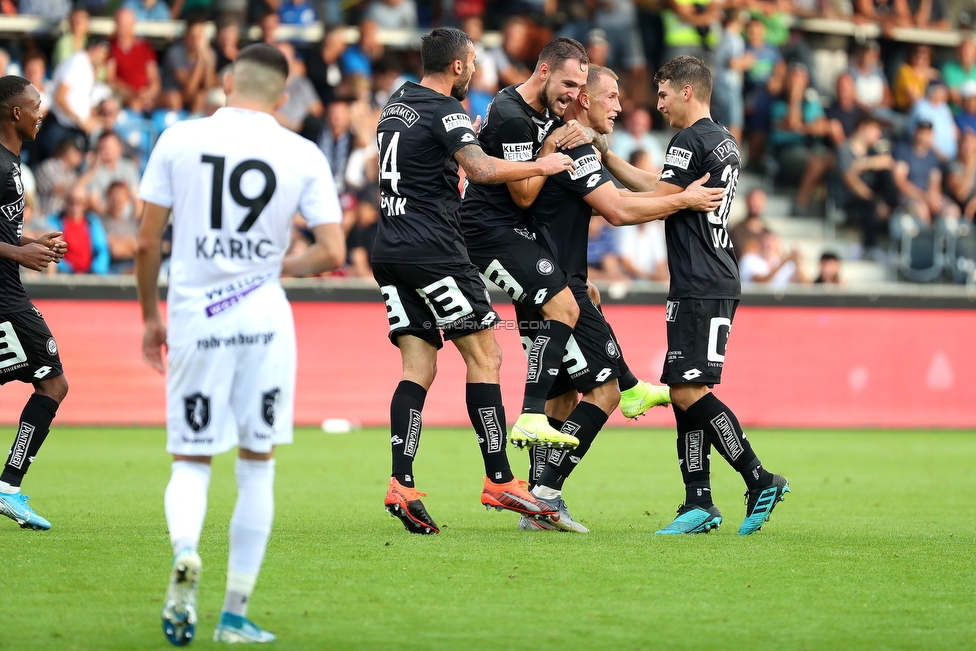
(787, 367)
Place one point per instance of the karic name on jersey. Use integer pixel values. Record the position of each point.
(517, 151)
(586, 165)
(456, 121)
(678, 157)
(400, 112)
(210, 246)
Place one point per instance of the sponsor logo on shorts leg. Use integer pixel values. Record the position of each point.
(413, 434)
(692, 374)
(489, 419)
(268, 403)
(196, 410)
(672, 311)
(726, 431)
(19, 452)
(52, 346)
(545, 266)
(693, 449)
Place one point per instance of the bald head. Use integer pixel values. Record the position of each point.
(259, 74)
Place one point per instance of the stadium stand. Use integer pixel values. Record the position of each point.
(818, 65)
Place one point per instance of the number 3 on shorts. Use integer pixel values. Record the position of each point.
(11, 351)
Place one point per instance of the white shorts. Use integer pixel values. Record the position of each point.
(231, 378)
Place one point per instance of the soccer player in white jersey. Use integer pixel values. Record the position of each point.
(233, 182)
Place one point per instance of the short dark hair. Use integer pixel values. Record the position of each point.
(264, 55)
(11, 87)
(442, 47)
(595, 73)
(829, 255)
(687, 70)
(562, 49)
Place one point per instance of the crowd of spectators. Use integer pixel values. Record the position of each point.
(891, 133)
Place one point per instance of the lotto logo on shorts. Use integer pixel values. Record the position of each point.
(196, 409)
(693, 450)
(672, 311)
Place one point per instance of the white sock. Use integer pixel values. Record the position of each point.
(250, 528)
(7, 489)
(545, 492)
(186, 503)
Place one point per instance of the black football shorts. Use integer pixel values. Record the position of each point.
(520, 263)
(698, 335)
(28, 352)
(591, 354)
(424, 300)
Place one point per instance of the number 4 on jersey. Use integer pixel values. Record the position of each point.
(388, 168)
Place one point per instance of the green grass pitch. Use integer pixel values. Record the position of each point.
(874, 549)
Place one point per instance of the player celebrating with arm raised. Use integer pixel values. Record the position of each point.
(561, 217)
(426, 277)
(702, 300)
(28, 352)
(230, 336)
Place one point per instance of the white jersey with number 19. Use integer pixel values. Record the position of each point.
(234, 182)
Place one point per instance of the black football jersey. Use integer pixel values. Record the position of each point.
(419, 132)
(513, 131)
(13, 298)
(700, 255)
(561, 215)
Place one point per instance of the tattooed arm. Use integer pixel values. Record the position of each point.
(488, 170)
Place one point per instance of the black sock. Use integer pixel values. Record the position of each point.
(545, 358)
(693, 460)
(723, 430)
(538, 455)
(488, 418)
(627, 379)
(35, 423)
(585, 422)
(405, 423)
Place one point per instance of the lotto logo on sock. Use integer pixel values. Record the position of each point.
(693, 450)
(19, 452)
(489, 419)
(413, 434)
(726, 431)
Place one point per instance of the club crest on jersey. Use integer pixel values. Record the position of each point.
(269, 401)
(543, 127)
(400, 112)
(17, 182)
(517, 151)
(585, 165)
(727, 148)
(196, 410)
(678, 157)
(456, 121)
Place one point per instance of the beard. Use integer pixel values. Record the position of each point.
(460, 88)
